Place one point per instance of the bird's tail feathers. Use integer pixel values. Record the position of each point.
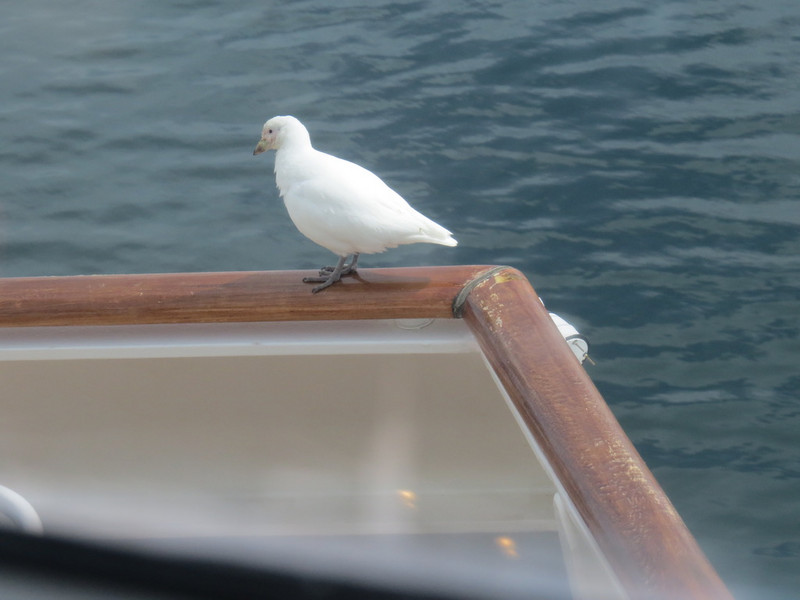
(435, 235)
(448, 241)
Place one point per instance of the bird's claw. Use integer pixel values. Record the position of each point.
(330, 275)
(325, 283)
(324, 271)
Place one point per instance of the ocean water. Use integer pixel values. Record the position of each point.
(639, 161)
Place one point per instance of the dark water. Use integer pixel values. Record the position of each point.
(637, 160)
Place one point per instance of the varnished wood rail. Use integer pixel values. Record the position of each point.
(229, 296)
(644, 539)
(641, 535)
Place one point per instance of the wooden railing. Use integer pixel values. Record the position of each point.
(643, 538)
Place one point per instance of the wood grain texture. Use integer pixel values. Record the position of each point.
(227, 297)
(636, 526)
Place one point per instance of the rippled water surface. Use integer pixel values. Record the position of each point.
(637, 160)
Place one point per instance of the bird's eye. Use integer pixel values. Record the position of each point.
(270, 130)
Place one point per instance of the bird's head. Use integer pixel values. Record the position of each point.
(279, 132)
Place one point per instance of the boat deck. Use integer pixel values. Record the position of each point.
(383, 439)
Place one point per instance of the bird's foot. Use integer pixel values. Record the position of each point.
(330, 275)
(325, 271)
(350, 269)
(328, 278)
(324, 282)
(322, 278)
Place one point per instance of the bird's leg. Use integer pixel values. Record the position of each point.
(332, 278)
(352, 267)
(347, 270)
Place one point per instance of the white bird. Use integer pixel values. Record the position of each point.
(339, 205)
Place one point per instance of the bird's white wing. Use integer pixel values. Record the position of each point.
(348, 209)
(366, 194)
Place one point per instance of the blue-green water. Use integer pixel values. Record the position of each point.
(639, 161)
